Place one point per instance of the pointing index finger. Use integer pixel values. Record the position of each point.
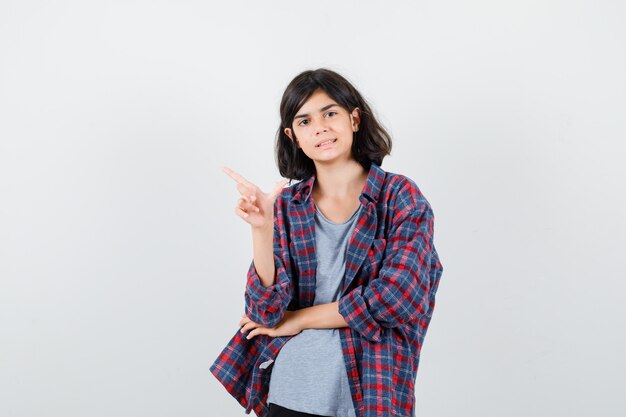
(235, 176)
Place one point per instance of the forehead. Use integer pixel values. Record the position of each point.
(316, 101)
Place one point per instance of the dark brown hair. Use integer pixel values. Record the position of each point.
(371, 142)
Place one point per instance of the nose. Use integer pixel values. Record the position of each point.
(319, 126)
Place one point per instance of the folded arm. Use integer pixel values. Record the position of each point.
(400, 291)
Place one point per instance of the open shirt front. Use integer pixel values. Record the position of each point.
(388, 296)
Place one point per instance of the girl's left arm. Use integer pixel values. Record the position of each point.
(406, 281)
(321, 316)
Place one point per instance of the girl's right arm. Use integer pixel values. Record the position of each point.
(263, 249)
(268, 287)
(267, 302)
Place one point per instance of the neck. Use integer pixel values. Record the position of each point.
(339, 181)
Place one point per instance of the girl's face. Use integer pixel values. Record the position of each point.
(319, 120)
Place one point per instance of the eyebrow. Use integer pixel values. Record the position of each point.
(326, 107)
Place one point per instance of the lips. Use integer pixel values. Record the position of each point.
(324, 142)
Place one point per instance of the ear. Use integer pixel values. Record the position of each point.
(356, 118)
(290, 135)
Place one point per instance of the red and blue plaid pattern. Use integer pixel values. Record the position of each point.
(392, 274)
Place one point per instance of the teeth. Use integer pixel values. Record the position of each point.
(328, 141)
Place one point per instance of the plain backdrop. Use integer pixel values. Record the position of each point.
(123, 263)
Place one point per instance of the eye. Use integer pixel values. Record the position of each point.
(304, 120)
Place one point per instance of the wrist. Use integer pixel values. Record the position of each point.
(266, 228)
(301, 317)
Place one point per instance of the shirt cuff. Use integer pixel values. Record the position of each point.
(354, 310)
(266, 305)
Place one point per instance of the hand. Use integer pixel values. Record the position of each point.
(290, 325)
(255, 206)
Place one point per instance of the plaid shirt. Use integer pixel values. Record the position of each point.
(387, 299)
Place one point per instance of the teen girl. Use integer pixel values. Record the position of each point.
(342, 284)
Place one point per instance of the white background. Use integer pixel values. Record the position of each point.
(123, 264)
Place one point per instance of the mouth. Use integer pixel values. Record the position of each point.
(327, 143)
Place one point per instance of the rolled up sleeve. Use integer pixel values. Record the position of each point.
(267, 305)
(400, 292)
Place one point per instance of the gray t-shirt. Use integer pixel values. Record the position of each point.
(309, 373)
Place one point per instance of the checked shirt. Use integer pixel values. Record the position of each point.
(387, 299)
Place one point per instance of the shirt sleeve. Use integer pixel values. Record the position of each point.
(400, 291)
(267, 306)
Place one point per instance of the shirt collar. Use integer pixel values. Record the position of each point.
(374, 183)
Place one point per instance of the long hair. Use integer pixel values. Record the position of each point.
(371, 142)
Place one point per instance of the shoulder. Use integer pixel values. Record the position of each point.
(401, 194)
(283, 203)
(289, 192)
